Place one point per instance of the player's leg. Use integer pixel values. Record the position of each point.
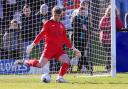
(64, 67)
(46, 55)
(33, 62)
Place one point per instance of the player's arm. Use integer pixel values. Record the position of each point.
(36, 41)
(69, 45)
(38, 38)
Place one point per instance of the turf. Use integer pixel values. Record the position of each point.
(76, 82)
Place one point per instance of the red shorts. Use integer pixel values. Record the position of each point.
(53, 54)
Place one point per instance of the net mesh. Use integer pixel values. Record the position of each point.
(21, 21)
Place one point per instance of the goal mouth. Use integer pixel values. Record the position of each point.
(88, 26)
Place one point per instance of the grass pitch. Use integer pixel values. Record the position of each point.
(76, 82)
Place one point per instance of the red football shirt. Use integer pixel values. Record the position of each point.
(54, 35)
(105, 26)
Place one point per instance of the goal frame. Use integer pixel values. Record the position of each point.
(113, 39)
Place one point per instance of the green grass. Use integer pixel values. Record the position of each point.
(76, 82)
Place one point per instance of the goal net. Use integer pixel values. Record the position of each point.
(21, 21)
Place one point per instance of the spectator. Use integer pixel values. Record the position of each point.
(80, 36)
(83, 3)
(34, 5)
(66, 20)
(12, 41)
(41, 16)
(51, 4)
(28, 22)
(105, 34)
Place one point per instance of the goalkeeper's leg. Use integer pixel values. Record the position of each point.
(64, 68)
(33, 62)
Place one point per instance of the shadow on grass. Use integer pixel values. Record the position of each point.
(88, 82)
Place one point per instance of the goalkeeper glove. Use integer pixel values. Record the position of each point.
(76, 52)
(29, 48)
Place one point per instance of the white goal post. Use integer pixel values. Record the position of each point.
(113, 38)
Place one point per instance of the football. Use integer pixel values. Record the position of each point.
(46, 78)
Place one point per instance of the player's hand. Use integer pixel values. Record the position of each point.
(76, 52)
(29, 48)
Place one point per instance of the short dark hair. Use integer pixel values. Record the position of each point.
(56, 10)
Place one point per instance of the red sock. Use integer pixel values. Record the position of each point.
(33, 63)
(63, 69)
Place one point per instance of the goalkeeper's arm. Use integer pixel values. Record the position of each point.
(30, 47)
(36, 41)
(38, 38)
(69, 45)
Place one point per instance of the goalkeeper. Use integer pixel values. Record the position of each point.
(54, 34)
